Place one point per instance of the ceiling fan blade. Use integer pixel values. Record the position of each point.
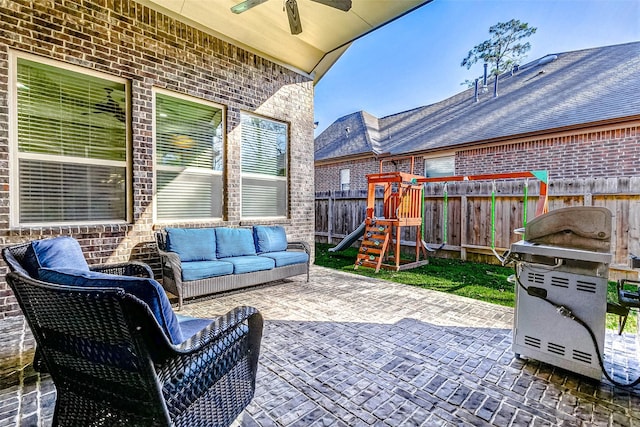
(246, 5)
(294, 18)
(338, 4)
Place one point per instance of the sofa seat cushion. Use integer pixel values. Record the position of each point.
(283, 258)
(270, 238)
(248, 264)
(196, 270)
(192, 244)
(191, 325)
(147, 290)
(59, 252)
(234, 242)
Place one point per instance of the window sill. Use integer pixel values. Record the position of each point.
(265, 221)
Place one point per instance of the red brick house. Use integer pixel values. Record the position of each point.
(575, 114)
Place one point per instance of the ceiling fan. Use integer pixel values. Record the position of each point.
(110, 106)
(291, 7)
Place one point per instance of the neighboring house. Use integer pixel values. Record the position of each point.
(575, 114)
(120, 117)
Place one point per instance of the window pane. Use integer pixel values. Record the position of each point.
(264, 146)
(189, 134)
(439, 166)
(58, 192)
(189, 195)
(264, 167)
(66, 113)
(263, 198)
(345, 179)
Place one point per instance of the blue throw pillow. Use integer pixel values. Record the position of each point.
(192, 244)
(270, 238)
(234, 242)
(148, 290)
(59, 252)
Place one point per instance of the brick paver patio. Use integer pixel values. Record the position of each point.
(347, 350)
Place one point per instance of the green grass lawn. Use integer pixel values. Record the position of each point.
(483, 282)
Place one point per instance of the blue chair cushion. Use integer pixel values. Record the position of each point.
(234, 242)
(191, 325)
(250, 263)
(270, 238)
(192, 372)
(59, 252)
(192, 244)
(283, 258)
(196, 270)
(147, 290)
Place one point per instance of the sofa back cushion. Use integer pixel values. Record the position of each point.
(147, 290)
(192, 244)
(234, 242)
(59, 252)
(271, 238)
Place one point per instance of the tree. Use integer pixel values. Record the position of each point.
(503, 49)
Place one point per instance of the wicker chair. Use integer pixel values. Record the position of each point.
(14, 256)
(113, 365)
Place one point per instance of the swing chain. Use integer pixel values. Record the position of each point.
(524, 207)
(493, 224)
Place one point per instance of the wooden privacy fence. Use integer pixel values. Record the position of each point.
(468, 214)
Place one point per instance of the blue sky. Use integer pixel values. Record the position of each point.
(415, 60)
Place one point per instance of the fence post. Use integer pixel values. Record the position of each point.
(463, 227)
(330, 219)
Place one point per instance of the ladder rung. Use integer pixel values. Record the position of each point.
(371, 251)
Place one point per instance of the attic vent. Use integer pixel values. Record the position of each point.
(547, 59)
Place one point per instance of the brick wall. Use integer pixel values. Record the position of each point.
(600, 153)
(327, 177)
(126, 39)
(597, 154)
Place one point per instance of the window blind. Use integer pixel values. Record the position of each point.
(264, 167)
(189, 195)
(189, 159)
(72, 145)
(53, 192)
(345, 179)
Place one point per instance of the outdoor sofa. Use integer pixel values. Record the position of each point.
(202, 261)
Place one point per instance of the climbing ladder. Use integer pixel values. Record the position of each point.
(375, 243)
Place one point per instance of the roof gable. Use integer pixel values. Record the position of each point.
(354, 134)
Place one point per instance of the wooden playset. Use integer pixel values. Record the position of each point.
(403, 205)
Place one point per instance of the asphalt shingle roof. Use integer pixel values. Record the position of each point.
(575, 88)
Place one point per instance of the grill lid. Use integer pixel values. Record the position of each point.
(580, 227)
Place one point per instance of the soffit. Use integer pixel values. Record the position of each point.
(264, 29)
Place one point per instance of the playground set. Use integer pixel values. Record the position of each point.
(403, 206)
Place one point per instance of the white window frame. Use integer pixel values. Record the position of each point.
(451, 157)
(157, 166)
(284, 179)
(15, 155)
(345, 179)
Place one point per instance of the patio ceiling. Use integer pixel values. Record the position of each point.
(264, 29)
